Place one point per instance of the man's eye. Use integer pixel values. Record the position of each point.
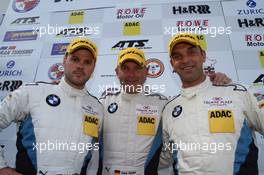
(124, 68)
(193, 51)
(74, 59)
(176, 57)
(88, 62)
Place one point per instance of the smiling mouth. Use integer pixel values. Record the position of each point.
(187, 68)
(78, 73)
(131, 82)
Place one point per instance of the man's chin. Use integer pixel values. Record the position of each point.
(79, 82)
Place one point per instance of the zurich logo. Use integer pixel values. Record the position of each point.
(251, 3)
(112, 108)
(10, 64)
(53, 100)
(177, 111)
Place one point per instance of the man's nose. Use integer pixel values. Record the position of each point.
(80, 65)
(131, 73)
(185, 58)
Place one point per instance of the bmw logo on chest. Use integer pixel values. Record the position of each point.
(53, 100)
(177, 111)
(112, 108)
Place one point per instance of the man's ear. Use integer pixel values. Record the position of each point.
(204, 55)
(171, 62)
(64, 59)
(146, 69)
(117, 71)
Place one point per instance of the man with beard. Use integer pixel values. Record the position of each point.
(54, 121)
(204, 115)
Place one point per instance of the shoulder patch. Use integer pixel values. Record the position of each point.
(236, 87)
(109, 91)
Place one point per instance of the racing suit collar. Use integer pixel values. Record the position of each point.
(192, 91)
(128, 96)
(71, 91)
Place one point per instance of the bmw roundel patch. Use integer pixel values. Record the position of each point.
(112, 108)
(177, 111)
(53, 100)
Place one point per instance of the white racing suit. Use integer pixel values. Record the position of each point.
(132, 133)
(57, 128)
(210, 129)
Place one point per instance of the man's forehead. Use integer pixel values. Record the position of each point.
(183, 46)
(130, 62)
(80, 57)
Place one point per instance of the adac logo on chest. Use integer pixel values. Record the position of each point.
(91, 119)
(53, 100)
(220, 114)
(149, 120)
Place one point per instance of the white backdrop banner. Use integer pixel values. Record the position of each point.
(34, 36)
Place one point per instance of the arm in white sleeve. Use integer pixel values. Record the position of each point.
(165, 156)
(3, 162)
(255, 109)
(14, 107)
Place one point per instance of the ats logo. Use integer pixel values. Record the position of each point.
(10, 85)
(11, 51)
(56, 71)
(22, 6)
(9, 72)
(26, 21)
(191, 9)
(140, 44)
(130, 13)
(260, 79)
(131, 28)
(251, 10)
(59, 48)
(155, 68)
(23, 35)
(254, 40)
(251, 23)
